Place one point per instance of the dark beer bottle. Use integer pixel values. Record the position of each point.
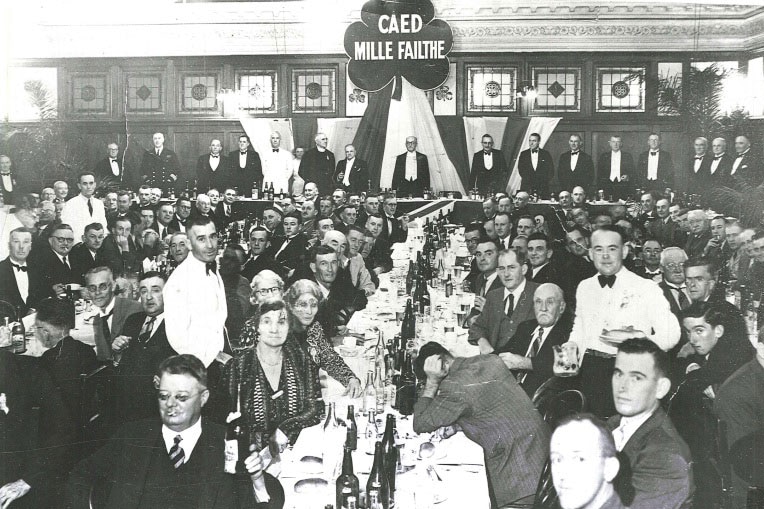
(406, 393)
(347, 484)
(352, 436)
(391, 453)
(377, 489)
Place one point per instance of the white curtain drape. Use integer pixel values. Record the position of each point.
(544, 126)
(412, 116)
(476, 127)
(340, 132)
(259, 131)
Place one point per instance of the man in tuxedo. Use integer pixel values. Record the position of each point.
(658, 469)
(53, 262)
(152, 463)
(212, 169)
(84, 209)
(489, 171)
(615, 169)
(411, 175)
(530, 354)
(7, 180)
(246, 168)
(260, 255)
(290, 252)
(576, 167)
(664, 229)
(655, 170)
(160, 166)
(502, 310)
(108, 171)
(721, 165)
(112, 310)
(20, 285)
(352, 174)
(183, 210)
(277, 165)
(393, 229)
(747, 171)
(651, 258)
(317, 165)
(536, 167)
(698, 168)
(139, 350)
(88, 254)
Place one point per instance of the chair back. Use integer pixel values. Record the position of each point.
(7, 310)
(557, 406)
(96, 412)
(546, 496)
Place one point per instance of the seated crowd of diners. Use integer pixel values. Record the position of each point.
(641, 296)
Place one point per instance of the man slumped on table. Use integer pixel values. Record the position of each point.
(175, 462)
(482, 396)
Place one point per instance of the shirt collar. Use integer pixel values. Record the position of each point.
(324, 290)
(190, 438)
(631, 424)
(411, 155)
(516, 292)
(158, 319)
(110, 308)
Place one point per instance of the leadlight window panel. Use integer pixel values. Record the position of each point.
(199, 93)
(258, 91)
(313, 90)
(620, 90)
(557, 88)
(491, 88)
(31, 94)
(669, 88)
(144, 92)
(90, 93)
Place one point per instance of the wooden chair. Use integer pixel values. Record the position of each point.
(96, 412)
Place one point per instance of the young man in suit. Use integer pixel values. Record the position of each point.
(544, 268)
(112, 310)
(502, 310)
(224, 209)
(108, 171)
(352, 174)
(291, 251)
(212, 169)
(411, 175)
(536, 167)
(664, 229)
(183, 209)
(20, 284)
(118, 251)
(655, 169)
(576, 167)
(260, 255)
(615, 171)
(660, 469)
(246, 167)
(481, 396)
(377, 251)
(160, 166)
(530, 352)
(152, 463)
(489, 171)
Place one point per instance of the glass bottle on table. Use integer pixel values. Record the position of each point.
(236, 439)
(377, 488)
(331, 422)
(352, 436)
(369, 394)
(406, 393)
(347, 483)
(392, 456)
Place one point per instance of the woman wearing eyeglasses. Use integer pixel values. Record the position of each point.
(303, 300)
(278, 383)
(266, 286)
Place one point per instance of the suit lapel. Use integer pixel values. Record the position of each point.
(11, 285)
(635, 441)
(136, 461)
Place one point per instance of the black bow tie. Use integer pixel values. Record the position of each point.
(6, 174)
(487, 153)
(243, 153)
(740, 156)
(22, 268)
(534, 151)
(716, 158)
(574, 153)
(113, 160)
(606, 280)
(214, 157)
(211, 267)
(653, 153)
(698, 157)
(275, 150)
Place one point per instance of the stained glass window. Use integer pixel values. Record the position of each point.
(491, 88)
(313, 90)
(620, 89)
(144, 92)
(258, 91)
(557, 88)
(200, 93)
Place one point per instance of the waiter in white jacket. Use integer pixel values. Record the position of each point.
(194, 298)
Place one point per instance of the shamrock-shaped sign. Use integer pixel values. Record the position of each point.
(398, 38)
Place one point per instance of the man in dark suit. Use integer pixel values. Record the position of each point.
(656, 467)
(182, 212)
(720, 165)
(376, 250)
(7, 180)
(481, 396)
(112, 310)
(53, 262)
(117, 251)
(536, 167)
(664, 229)
(615, 171)
(747, 171)
(504, 309)
(354, 179)
(37, 435)
(140, 349)
(698, 167)
(224, 211)
(700, 233)
(108, 171)
(212, 170)
(530, 352)
(411, 175)
(576, 167)
(260, 255)
(655, 169)
(342, 298)
(317, 165)
(246, 167)
(544, 268)
(164, 215)
(160, 166)
(88, 254)
(291, 251)
(20, 284)
(489, 171)
(393, 229)
(152, 463)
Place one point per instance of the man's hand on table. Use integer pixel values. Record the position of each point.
(354, 388)
(12, 491)
(485, 346)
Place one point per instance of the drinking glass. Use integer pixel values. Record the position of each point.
(566, 360)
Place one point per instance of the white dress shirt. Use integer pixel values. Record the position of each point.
(573, 161)
(242, 159)
(738, 160)
(348, 167)
(214, 162)
(488, 282)
(77, 215)
(109, 310)
(411, 168)
(632, 300)
(534, 159)
(22, 279)
(488, 160)
(652, 165)
(517, 292)
(715, 163)
(195, 310)
(114, 167)
(7, 182)
(698, 162)
(615, 166)
(627, 428)
(190, 436)
(277, 168)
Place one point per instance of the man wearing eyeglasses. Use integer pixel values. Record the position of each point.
(176, 460)
(53, 262)
(112, 310)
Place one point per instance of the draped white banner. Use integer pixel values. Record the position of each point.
(412, 116)
(544, 126)
(340, 132)
(476, 127)
(259, 131)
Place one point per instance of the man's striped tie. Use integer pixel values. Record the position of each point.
(177, 456)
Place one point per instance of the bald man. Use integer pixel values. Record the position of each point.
(317, 165)
(352, 173)
(212, 169)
